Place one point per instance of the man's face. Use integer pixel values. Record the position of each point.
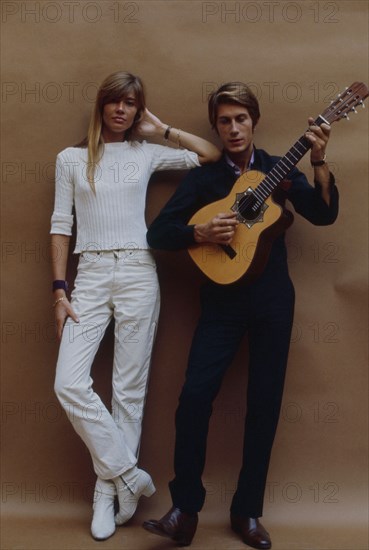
(234, 126)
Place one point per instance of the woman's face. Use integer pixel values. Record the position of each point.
(118, 117)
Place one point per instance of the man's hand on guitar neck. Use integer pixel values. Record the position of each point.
(218, 230)
(319, 136)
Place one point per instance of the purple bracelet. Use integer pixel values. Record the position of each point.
(60, 284)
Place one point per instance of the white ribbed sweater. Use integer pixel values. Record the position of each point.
(114, 217)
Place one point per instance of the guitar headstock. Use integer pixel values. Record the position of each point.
(346, 102)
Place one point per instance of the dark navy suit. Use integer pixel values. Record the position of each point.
(263, 309)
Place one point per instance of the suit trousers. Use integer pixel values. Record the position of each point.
(122, 284)
(264, 311)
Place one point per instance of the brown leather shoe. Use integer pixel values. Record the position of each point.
(178, 526)
(251, 532)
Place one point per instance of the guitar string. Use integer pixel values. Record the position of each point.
(258, 195)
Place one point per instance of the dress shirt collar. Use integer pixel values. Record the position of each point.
(235, 168)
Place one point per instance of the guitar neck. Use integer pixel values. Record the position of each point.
(284, 166)
(345, 103)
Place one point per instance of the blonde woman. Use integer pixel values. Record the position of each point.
(105, 180)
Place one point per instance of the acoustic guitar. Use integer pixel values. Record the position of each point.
(261, 218)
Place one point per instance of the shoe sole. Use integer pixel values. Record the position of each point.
(258, 547)
(177, 538)
(102, 538)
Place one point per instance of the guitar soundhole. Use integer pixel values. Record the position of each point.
(249, 207)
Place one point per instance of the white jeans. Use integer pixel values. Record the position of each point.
(122, 284)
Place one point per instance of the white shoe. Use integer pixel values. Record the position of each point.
(129, 494)
(103, 524)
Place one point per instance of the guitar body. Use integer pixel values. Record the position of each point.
(249, 250)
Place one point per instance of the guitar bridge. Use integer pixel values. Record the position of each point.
(227, 248)
(248, 207)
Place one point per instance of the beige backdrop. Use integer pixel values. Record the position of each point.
(297, 56)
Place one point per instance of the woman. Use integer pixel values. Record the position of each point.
(105, 179)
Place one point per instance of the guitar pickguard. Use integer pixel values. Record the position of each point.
(247, 208)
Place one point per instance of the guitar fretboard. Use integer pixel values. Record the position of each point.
(282, 168)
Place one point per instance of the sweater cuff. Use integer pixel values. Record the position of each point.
(189, 236)
(61, 224)
(332, 183)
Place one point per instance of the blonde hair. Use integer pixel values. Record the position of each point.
(115, 87)
(236, 93)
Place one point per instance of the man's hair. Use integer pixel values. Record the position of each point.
(236, 93)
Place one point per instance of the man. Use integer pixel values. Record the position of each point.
(262, 309)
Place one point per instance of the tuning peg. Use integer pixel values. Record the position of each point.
(346, 116)
(354, 110)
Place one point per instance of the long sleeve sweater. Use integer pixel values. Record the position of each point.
(114, 217)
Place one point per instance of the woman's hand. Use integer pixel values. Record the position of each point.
(63, 310)
(150, 125)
